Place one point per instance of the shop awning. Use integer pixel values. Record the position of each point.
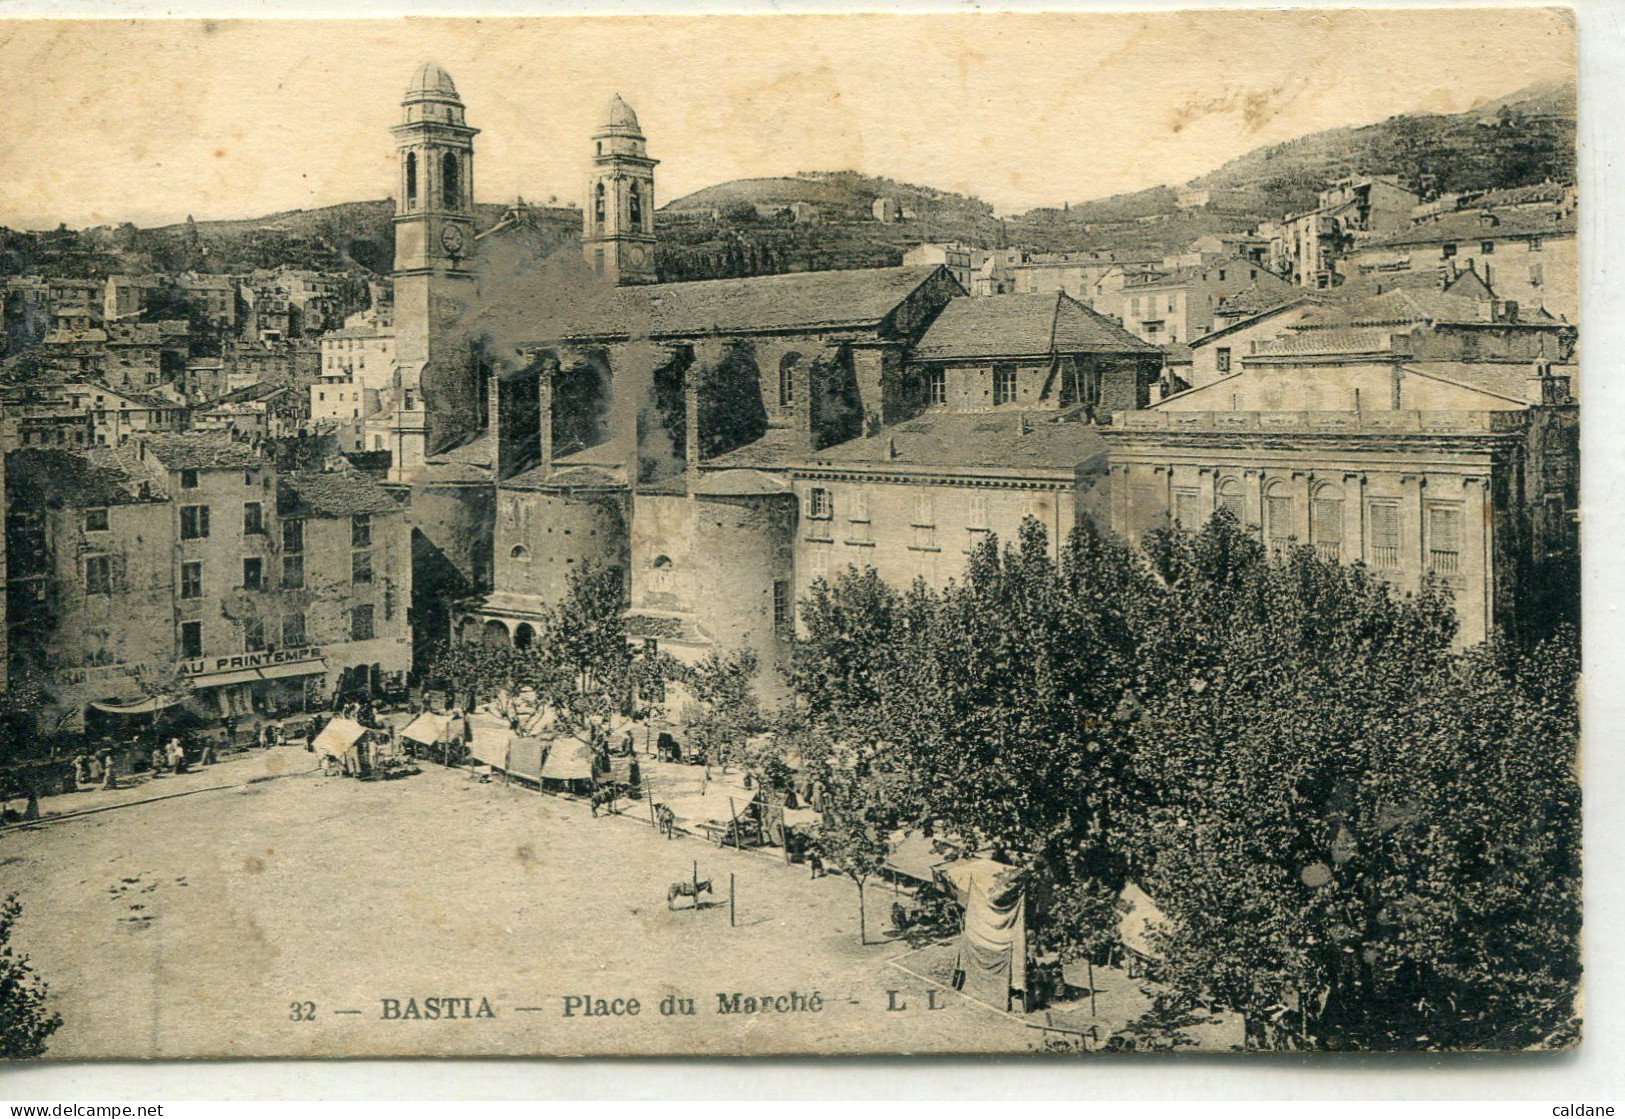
(137, 707)
(297, 668)
(222, 679)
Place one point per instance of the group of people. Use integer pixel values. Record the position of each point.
(171, 757)
(91, 769)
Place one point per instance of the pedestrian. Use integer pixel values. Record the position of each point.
(177, 755)
(636, 774)
(157, 761)
(81, 770)
(264, 737)
(815, 862)
(207, 757)
(109, 770)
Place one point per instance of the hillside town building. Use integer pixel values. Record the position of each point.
(182, 569)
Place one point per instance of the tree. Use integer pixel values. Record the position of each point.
(1360, 838)
(588, 634)
(496, 674)
(726, 712)
(859, 812)
(25, 1023)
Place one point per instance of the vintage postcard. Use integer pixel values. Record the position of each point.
(845, 534)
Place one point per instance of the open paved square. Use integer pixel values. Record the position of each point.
(277, 915)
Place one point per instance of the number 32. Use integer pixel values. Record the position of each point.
(301, 1012)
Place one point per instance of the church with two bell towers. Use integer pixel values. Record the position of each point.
(437, 400)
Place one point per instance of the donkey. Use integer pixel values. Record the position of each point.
(687, 890)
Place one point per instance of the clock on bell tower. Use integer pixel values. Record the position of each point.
(434, 242)
(618, 220)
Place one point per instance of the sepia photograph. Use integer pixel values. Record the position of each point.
(1045, 533)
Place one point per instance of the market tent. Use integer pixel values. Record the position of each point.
(992, 959)
(488, 738)
(1134, 925)
(338, 737)
(524, 758)
(429, 729)
(960, 874)
(913, 856)
(568, 759)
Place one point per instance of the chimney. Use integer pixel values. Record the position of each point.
(691, 427)
(544, 415)
(1544, 388)
(493, 420)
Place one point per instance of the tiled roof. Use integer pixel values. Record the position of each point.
(1404, 305)
(799, 300)
(1521, 195)
(1022, 326)
(332, 495)
(774, 450)
(38, 477)
(1019, 443)
(1468, 225)
(1505, 378)
(1254, 319)
(1254, 301)
(571, 477)
(739, 483)
(472, 461)
(1331, 341)
(195, 450)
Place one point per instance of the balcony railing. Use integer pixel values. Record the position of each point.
(1330, 551)
(1385, 555)
(1444, 562)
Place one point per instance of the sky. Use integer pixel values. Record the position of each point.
(151, 120)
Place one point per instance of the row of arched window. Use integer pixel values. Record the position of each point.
(634, 204)
(451, 181)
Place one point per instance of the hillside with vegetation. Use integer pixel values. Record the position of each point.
(751, 227)
(356, 237)
(1523, 138)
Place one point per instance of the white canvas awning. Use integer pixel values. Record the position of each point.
(136, 707)
(568, 759)
(337, 737)
(428, 728)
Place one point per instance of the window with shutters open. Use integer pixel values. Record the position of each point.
(1444, 539)
(1385, 534)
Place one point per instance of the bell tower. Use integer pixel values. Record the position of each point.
(434, 241)
(618, 215)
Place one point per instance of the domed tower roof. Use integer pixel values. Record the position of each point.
(620, 118)
(431, 81)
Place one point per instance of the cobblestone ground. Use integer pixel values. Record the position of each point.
(192, 926)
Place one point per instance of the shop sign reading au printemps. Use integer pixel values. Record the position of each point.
(208, 665)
